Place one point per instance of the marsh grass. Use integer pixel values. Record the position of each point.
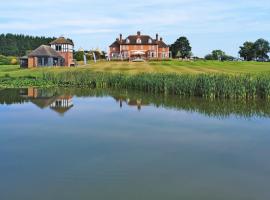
(200, 85)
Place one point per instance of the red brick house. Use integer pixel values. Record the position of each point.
(58, 53)
(139, 47)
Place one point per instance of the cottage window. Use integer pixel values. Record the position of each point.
(139, 41)
(150, 41)
(58, 47)
(127, 41)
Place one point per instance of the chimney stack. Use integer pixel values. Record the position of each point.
(156, 37)
(161, 39)
(139, 33)
(121, 37)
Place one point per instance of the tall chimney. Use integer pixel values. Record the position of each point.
(156, 37)
(139, 33)
(121, 37)
(161, 39)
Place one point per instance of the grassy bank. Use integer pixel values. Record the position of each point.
(202, 79)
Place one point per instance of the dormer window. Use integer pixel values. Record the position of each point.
(139, 41)
(150, 41)
(127, 41)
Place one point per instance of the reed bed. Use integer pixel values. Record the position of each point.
(200, 85)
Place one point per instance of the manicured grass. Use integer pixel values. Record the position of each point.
(175, 66)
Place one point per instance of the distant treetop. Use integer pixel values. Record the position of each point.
(18, 44)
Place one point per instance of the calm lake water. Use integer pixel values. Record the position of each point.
(119, 145)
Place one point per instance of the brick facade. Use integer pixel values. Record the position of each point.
(139, 46)
(59, 53)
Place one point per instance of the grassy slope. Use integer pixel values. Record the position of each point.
(149, 67)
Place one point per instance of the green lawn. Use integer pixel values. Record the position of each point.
(148, 67)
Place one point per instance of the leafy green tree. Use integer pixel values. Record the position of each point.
(247, 51)
(178, 55)
(262, 48)
(209, 57)
(181, 48)
(218, 55)
(79, 55)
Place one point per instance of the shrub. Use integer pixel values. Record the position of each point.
(4, 60)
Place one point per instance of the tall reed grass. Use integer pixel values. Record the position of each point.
(201, 85)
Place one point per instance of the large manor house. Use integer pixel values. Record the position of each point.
(142, 47)
(133, 48)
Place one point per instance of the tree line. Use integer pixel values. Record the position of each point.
(18, 44)
(249, 51)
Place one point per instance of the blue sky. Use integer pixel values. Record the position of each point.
(209, 24)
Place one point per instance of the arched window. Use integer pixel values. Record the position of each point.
(150, 41)
(127, 41)
(139, 41)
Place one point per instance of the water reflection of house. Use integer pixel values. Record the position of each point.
(131, 102)
(60, 104)
(30, 92)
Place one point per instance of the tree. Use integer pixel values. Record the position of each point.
(209, 57)
(262, 48)
(247, 51)
(79, 56)
(218, 55)
(17, 45)
(181, 48)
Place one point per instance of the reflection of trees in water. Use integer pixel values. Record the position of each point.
(60, 100)
(214, 108)
(11, 96)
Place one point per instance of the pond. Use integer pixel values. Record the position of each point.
(65, 143)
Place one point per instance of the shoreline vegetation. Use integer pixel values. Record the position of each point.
(221, 108)
(227, 83)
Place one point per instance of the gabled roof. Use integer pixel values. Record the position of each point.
(162, 44)
(43, 102)
(115, 44)
(62, 110)
(62, 40)
(45, 50)
(132, 40)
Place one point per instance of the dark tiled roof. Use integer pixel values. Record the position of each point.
(62, 40)
(133, 39)
(115, 44)
(144, 41)
(44, 50)
(62, 110)
(162, 44)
